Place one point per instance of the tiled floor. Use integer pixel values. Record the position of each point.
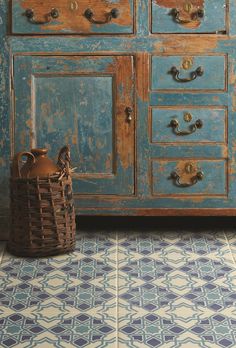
(127, 289)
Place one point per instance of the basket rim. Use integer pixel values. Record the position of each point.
(55, 176)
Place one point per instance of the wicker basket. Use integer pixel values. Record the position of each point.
(43, 215)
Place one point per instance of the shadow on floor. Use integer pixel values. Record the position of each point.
(145, 223)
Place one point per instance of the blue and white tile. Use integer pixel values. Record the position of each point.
(118, 290)
(64, 301)
(191, 305)
(2, 249)
(230, 235)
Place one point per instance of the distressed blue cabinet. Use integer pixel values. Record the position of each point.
(143, 91)
(213, 76)
(196, 125)
(193, 177)
(72, 17)
(84, 101)
(193, 17)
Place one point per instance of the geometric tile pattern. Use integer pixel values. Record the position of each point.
(63, 301)
(178, 289)
(126, 289)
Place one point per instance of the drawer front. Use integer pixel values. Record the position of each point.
(79, 17)
(189, 73)
(178, 125)
(169, 16)
(189, 177)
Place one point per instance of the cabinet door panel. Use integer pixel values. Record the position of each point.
(80, 101)
(71, 121)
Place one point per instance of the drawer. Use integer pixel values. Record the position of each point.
(194, 124)
(189, 73)
(73, 16)
(198, 16)
(189, 177)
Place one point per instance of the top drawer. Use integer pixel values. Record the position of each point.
(72, 16)
(188, 16)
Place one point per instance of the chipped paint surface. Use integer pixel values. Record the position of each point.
(232, 81)
(212, 19)
(71, 16)
(213, 182)
(196, 45)
(81, 101)
(114, 158)
(4, 121)
(211, 66)
(180, 4)
(187, 9)
(213, 130)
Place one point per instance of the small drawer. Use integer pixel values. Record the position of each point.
(189, 73)
(189, 177)
(195, 125)
(189, 17)
(72, 17)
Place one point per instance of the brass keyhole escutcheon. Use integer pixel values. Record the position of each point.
(187, 117)
(74, 6)
(187, 63)
(189, 168)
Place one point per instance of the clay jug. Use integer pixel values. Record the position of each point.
(37, 164)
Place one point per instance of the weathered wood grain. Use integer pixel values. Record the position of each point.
(186, 9)
(213, 18)
(4, 121)
(45, 109)
(214, 127)
(214, 182)
(71, 16)
(81, 100)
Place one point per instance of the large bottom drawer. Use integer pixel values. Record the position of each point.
(175, 177)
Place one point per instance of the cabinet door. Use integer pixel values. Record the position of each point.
(82, 101)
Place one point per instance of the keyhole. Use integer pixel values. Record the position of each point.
(74, 5)
(189, 168)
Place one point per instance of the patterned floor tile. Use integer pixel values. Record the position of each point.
(230, 236)
(187, 295)
(64, 301)
(160, 288)
(2, 248)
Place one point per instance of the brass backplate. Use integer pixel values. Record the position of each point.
(188, 117)
(187, 63)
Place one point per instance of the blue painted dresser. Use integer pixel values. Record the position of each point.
(144, 91)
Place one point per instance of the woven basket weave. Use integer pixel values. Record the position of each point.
(43, 215)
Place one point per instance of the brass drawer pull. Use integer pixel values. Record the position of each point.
(114, 13)
(199, 14)
(29, 13)
(192, 128)
(193, 75)
(194, 180)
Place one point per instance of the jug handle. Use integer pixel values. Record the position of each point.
(64, 160)
(16, 163)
